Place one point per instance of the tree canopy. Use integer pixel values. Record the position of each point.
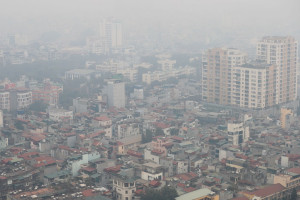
(166, 193)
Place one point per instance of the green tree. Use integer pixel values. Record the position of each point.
(38, 106)
(174, 131)
(294, 194)
(159, 131)
(147, 137)
(166, 193)
(19, 125)
(169, 193)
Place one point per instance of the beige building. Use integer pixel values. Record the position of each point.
(123, 188)
(285, 114)
(287, 180)
(238, 133)
(4, 101)
(282, 52)
(217, 74)
(253, 85)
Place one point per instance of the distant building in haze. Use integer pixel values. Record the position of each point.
(116, 94)
(282, 52)
(111, 33)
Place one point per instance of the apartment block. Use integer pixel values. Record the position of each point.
(217, 74)
(282, 52)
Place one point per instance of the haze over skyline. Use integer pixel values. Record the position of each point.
(213, 23)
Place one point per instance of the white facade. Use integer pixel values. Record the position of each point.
(149, 77)
(58, 114)
(151, 176)
(1, 119)
(149, 156)
(237, 133)
(138, 93)
(128, 129)
(24, 99)
(76, 165)
(111, 34)
(182, 167)
(4, 101)
(167, 65)
(249, 86)
(116, 94)
(128, 73)
(78, 73)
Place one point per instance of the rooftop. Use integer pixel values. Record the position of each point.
(195, 194)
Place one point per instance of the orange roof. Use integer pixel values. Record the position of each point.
(88, 193)
(134, 153)
(187, 176)
(88, 169)
(102, 118)
(268, 190)
(28, 154)
(154, 183)
(294, 170)
(113, 169)
(189, 189)
(161, 125)
(92, 135)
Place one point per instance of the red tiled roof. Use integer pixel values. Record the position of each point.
(268, 190)
(96, 143)
(294, 170)
(88, 193)
(70, 134)
(169, 144)
(37, 138)
(68, 148)
(161, 125)
(187, 176)
(5, 161)
(181, 185)
(139, 191)
(44, 163)
(154, 183)
(96, 134)
(113, 169)
(293, 157)
(134, 153)
(177, 138)
(28, 155)
(102, 118)
(156, 151)
(189, 189)
(89, 169)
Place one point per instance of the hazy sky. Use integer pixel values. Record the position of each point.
(206, 19)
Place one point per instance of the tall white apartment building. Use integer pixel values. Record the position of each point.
(253, 85)
(1, 119)
(217, 74)
(238, 133)
(111, 33)
(24, 99)
(282, 52)
(4, 100)
(116, 94)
